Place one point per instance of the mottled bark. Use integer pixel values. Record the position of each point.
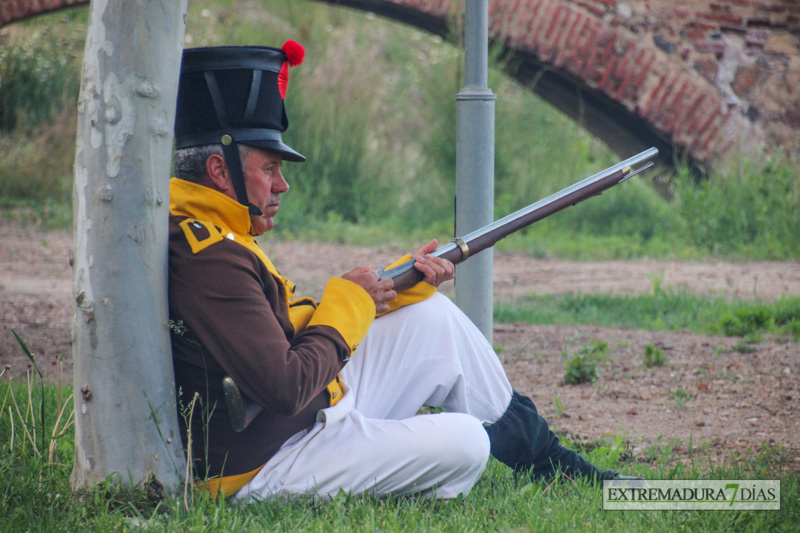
(126, 421)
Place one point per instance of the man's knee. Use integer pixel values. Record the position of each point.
(438, 313)
(463, 442)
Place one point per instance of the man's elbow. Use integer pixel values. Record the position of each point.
(289, 404)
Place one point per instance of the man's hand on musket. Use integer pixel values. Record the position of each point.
(436, 269)
(380, 289)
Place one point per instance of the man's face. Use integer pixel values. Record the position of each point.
(265, 184)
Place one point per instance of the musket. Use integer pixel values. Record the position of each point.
(242, 410)
(462, 248)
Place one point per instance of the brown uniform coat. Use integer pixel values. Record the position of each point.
(230, 313)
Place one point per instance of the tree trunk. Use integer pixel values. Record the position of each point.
(126, 422)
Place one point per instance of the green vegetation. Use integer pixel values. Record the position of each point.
(581, 367)
(36, 80)
(673, 311)
(744, 347)
(752, 212)
(681, 397)
(36, 495)
(654, 356)
(750, 320)
(39, 65)
(373, 107)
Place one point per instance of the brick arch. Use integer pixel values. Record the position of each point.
(697, 78)
(700, 78)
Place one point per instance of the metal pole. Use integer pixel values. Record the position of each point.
(475, 167)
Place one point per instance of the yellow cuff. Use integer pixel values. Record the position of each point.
(228, 485)
(335, 391)
(399, 262)
(300, 313)
(347, 308)
(419, 292)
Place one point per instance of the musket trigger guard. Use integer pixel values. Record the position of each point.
(463, 246)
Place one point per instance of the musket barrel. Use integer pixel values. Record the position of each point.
(631, 162)
(405, 275)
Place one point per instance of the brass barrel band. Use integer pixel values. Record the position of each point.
(463, 246)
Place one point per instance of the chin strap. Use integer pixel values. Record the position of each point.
(229, 147)
(231, 152)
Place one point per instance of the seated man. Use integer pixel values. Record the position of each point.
(338, 388)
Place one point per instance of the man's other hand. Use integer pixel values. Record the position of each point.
(369, 280)
(436, 269)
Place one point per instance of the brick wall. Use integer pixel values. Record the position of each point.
(706, 77)
(746, 51)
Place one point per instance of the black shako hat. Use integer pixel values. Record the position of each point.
(235, 94)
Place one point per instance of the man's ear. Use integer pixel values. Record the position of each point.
(217, 174)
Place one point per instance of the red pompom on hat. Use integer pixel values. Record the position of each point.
(294, 56)
(294, 52)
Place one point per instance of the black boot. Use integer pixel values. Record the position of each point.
(522, 439)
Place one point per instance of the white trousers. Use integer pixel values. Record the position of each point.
(430, 354)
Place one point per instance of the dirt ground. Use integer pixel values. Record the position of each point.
(736, 400)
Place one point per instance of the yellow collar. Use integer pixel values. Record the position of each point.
(202, 203)
(197, 201)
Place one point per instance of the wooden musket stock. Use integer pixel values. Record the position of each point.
(243, 410)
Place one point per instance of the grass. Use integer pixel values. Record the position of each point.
(39, 81)
(681, 397)
(664, 310)
(36, 495)
(373, 107)
(581, 367)
(653, 356)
